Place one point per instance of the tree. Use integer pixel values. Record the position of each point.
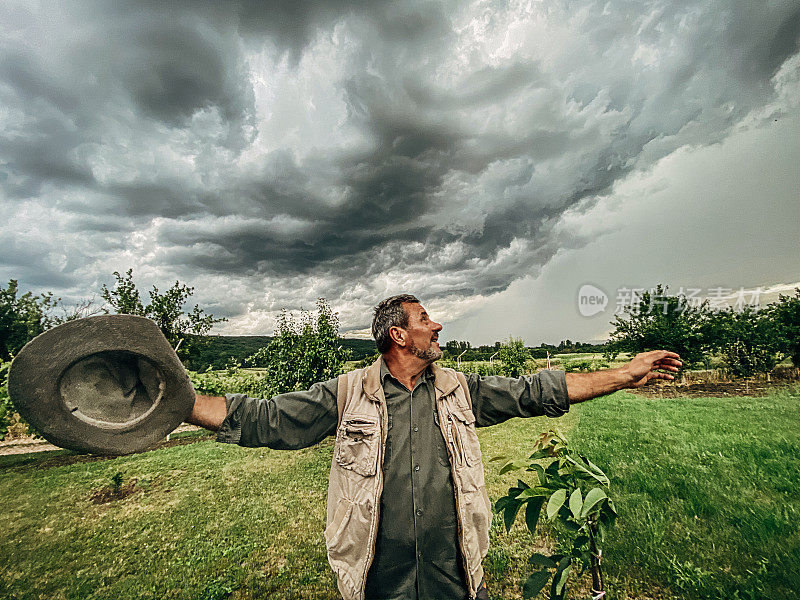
(514, 356)
(748, 339)
(22, 318)
(786, 315)
(306, 350)
(661, 322)
(184, 330)
(574, 492)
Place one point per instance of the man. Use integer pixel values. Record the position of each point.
(408, 514)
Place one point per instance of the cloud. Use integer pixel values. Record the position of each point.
(297, 148)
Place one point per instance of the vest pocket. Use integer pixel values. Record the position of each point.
(357, 444)
(341, 516)
(466, 438)
(346, 540)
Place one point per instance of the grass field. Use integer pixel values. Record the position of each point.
(707, 491)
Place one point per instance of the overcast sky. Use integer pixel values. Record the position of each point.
(490, 157)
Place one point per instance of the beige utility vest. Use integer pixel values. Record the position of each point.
(356, 479)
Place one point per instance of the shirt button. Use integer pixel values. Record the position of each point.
(416, 468)
(419, 514)
(416, 428)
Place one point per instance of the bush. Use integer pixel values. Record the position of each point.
(306, 350)
(232, 380)
(745, 361)
(367, 361)
(6, 408)
(786, 313)
(585, 365)
(22, 318)
(749, 340)
(514, 357)
(11, 424)
(661, 322)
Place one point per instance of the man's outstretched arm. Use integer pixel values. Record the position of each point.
(641, 369)
(285, 422)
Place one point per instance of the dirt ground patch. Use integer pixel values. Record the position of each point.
(111, 494)
(713, 389)
(61, 457)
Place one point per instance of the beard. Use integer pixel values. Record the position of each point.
(431, 354)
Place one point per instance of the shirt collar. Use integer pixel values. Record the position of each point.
(427, 374)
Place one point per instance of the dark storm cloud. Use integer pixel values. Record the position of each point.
(444, 148)
(119, 72)
(288, 25)
(173, 70)
(390, 190)
(487, 86)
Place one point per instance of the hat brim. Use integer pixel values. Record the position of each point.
(71, 382)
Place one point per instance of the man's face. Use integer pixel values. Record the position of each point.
(423, 333)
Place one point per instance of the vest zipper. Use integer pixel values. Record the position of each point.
(457, 489)
(383, 418)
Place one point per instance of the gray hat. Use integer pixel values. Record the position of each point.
(109, 384)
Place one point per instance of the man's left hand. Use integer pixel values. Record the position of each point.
(645, 366)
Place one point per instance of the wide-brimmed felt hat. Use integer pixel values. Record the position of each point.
(109, 384)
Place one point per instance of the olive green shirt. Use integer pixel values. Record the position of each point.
(416, 551)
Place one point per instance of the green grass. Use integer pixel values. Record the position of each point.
(707, 492)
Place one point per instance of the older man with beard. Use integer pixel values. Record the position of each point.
(408, 514)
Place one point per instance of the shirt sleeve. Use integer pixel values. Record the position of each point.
(284, 422)
(496, 399)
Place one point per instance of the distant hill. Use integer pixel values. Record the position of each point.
(224, 347)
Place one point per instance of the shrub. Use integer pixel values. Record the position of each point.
(514, 356)
(306, 350)
(6, 408)
(22, 318)
(232, 380)
(786, 313)
(658, 321)
(574, 492)
(749, 340)
(585, 365)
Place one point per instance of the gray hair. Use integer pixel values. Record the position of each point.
(390, 313)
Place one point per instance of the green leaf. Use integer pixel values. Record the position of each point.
(534, 584)
(576, 503)
(556, 502)
(533, 493)
(552, 469)
(555, 593)
(612, 507)
(562, 577)
(602, 479)
(580, 541)
(540, 473)
(532, 512)
(500, 504)
(538, 454)
(542, 560)
(510, 513)
(595, 468)
(607, 518)
(594, 496)
(498, 458)
(513, 465)
(571, 525)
